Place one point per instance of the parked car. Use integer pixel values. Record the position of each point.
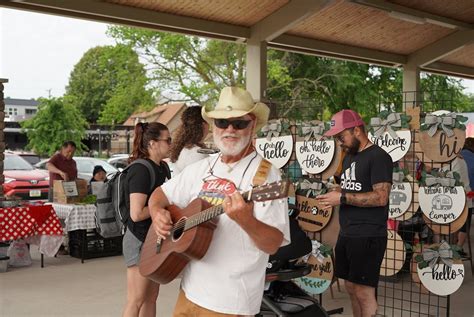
(119, 162)
(31, 158)
(85, 166)
(23, 180)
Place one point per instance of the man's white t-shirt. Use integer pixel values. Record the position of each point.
(230, 277)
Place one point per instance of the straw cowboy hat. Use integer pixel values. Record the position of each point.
(236, 102)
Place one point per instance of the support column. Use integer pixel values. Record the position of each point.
(256, 75)
(411, 85)
(2, 136)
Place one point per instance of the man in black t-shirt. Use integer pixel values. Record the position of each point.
(363, 197)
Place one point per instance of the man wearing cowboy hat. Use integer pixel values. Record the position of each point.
(229, 279)
(363, 196)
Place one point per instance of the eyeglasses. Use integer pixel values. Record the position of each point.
(168, 140)
(236, 124)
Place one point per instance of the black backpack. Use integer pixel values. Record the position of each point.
(113, 200)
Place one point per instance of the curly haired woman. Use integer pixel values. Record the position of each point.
(188, 139)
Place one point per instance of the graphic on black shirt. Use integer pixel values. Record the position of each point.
(361, 171)
(348, 179)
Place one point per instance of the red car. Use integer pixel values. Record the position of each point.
(23, 180)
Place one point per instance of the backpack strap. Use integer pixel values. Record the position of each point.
(151, 170)
(262, 173)
(167, 169)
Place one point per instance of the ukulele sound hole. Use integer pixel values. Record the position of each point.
(179, 229)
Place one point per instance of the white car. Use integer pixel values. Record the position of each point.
(85, 166)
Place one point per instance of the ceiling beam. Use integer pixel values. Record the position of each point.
(449, 69)
(108, 12)
(285, 18)
(354, 53)
(417, 14)
(439, 49)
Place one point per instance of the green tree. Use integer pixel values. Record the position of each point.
(108, 84)
(56, 121)
(194, 67)
(302, 86)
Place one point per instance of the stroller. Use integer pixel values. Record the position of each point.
(282, 297)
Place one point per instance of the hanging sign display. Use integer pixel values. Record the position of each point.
(314, 153)
(394, 256)
(442, 199)
(442, 135)
(336, 161)
(391, 132)
(440, 269)
(400, 195)
(275, 142)
(312, 215)
(322, 272)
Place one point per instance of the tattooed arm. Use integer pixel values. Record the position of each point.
(377, 197)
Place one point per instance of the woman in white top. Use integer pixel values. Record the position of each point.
(188, 139)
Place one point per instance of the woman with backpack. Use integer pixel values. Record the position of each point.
(152, 144)
(188, 139)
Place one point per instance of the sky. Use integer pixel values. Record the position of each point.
(39, 51)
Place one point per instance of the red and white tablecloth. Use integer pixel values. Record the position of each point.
(35, 224)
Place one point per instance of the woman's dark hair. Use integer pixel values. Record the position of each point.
(144, 133)
(189, 133)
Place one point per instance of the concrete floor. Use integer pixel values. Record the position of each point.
(65, 287)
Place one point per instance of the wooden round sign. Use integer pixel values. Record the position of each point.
(394, 256)
(414, 275)
(332, 168)
(320, 277)
(315, 156)
(442, 204)
(441, 148)
(395, 147)
(400, 199)
(442, 279)
(413, 207)
(449, 228)
(312, 217)
(277, 150)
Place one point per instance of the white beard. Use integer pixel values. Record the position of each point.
(231, 149)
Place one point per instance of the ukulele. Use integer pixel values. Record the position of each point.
(162, 260)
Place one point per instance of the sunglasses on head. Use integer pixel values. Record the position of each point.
(236, 124)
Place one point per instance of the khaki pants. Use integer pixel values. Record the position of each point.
(185, 308)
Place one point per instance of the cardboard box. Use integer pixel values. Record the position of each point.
(67, 193)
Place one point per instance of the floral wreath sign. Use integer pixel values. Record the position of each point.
(322, 272)
(275, 142)
(314, 153)
(440, 268)
(401, 194)
(441, 196)
(391, 132)
(312, 216)
(442, 135)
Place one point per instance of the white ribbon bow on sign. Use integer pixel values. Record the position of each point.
(272, 129)
(315, 252)
(380, 126)
(444, 253)
(448, 181)
(446, 122)
(313, 188)
(398, 177)
(312, 131)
